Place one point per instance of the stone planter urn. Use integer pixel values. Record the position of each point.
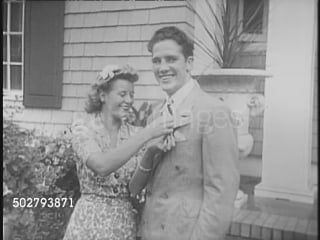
(242, 91)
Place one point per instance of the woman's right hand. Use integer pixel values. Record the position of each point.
(163, 144)
(160, 127)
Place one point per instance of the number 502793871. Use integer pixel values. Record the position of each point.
(42, 202)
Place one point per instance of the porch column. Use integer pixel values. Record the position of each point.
(287, 140)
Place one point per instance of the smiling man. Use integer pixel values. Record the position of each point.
(191, 190)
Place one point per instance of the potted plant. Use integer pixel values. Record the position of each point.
(223, 39)
(227, 33)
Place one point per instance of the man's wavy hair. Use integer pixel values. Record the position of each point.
(175, 34)
(93, 103)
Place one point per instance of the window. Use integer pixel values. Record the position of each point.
(253, 16)
(13, 39)
(33, 52)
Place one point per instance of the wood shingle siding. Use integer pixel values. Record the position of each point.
(97, 33)
(78, 7)
(107, 32)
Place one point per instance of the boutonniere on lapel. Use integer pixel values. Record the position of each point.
(181, 120)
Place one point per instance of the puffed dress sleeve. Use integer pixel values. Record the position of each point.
(83, 139)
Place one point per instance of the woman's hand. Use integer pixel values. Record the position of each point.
(169, 142)
(160, 127)
(163, 144)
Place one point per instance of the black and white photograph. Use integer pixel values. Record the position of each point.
(160, 120)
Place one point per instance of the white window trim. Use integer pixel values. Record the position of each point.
(11, 94)
(251, 36)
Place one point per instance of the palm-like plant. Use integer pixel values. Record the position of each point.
(225, 30)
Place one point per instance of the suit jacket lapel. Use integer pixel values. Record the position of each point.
(156, 111)
(188, 103)
(184, 109)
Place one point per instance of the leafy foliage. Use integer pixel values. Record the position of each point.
(35, 167)
(18, 163)
(140, 116)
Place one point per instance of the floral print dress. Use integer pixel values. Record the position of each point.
(104, 210)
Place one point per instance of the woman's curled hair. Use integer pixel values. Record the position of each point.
(104, 82)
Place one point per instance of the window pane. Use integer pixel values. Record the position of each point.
(4, 48)
(253, 16)
(4, 11)
(16, 82)
(4, 79)
(16, 48)
(16, 17)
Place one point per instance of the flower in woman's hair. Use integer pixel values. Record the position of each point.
(110, 71)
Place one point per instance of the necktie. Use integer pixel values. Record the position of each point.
(167, 139)
(169, 106)
(170, 109)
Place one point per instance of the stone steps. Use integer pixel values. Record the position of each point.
(254, 225)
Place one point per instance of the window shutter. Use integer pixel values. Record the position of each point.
(44, 23)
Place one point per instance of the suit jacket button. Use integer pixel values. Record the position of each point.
(116, 175)
(165, 195)
(115, 190)
(162, 226)
(177, 168)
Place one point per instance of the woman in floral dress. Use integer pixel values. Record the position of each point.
(108, 149)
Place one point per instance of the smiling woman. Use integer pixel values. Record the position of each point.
(106, 83)
(109, 151)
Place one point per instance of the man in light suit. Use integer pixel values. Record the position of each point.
(190, 193)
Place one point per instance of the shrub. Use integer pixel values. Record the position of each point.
(37, 167)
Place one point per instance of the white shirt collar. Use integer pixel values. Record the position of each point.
(177, 98)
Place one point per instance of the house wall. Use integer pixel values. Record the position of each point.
(314, 156)
(97, 33)
(106, 32)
